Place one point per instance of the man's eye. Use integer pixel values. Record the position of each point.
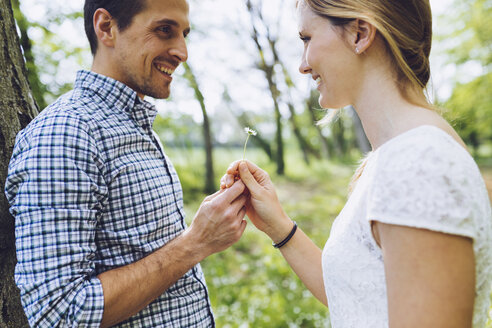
(165, 29)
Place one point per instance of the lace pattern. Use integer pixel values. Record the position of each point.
(422, 178)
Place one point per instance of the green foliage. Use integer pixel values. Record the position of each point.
(178, 130)
(470, 110)
(470, 41)
(45, 53)
(250, 284)
(472, 31)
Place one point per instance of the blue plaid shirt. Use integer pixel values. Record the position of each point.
(91, 189)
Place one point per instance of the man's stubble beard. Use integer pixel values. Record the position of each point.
(143, 84)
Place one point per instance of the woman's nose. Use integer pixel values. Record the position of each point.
(304, 67)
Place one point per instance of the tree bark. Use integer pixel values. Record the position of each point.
(17, 108)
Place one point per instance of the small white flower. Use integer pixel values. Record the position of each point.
(249, 131)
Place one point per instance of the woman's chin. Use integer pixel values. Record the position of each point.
(325, 103)
(330, 103)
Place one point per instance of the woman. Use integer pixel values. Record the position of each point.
(412, 246)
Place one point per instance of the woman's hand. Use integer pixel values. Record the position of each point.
(262, 207)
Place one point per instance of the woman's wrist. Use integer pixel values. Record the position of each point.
(288, 238)
(281, 230)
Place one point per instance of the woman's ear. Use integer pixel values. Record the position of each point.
(363, 37)
(104, 25)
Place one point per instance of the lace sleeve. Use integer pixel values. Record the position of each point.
(426, 183)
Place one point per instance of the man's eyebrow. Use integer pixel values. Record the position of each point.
(171, 22)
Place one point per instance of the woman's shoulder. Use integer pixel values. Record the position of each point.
(427, 162)
(425, 145)
(425, 178)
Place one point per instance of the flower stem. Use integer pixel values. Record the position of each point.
(245, 143)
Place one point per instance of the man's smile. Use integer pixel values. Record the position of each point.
(166, 71)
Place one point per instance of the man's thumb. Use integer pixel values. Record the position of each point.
(247, 178)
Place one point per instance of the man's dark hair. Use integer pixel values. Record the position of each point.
(122, 11)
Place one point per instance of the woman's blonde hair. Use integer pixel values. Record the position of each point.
(404, 25)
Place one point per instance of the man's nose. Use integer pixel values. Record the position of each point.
(180, 50)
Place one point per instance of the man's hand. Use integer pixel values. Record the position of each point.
(219, 221)
(217, 225)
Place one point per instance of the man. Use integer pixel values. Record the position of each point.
(100, 232)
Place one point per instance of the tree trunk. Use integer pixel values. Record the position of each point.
(325, 146)
(207, 135)
(258, 139)
(17, 108)
(243, 121)
(269, 71)
(360, 134)
(278, 120)
(339, 142)
(297, 132)
(305, 146)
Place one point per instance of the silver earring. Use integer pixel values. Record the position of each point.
(357, 50)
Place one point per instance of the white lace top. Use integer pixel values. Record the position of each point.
(422, 178)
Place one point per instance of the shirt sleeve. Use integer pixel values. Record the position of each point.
(55, 189)
(425, 184)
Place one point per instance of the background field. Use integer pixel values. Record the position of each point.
(250, 284)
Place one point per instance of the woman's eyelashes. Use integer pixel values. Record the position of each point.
(304, 38)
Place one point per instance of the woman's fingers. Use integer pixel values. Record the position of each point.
(260, 175)
(232, 169)
(257, 177)
(248, 179)
(227, 181)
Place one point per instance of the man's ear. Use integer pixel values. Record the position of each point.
(364, 35)
(104, 26)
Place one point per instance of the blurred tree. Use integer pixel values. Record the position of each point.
(269, 69)
(470, 111)
(207, 134)
(316, 115)
(38, 88)
(18, 108)
(244, 121)
(470, 105)
(46, 54)
(306, 147)
(472, 32)
(360, 135)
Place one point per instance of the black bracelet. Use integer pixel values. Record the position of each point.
(283, 242)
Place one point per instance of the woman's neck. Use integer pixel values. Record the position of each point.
(384, 111)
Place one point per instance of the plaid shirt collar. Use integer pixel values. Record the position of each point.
(116, 94)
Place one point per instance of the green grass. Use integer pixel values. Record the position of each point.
(250, 284)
